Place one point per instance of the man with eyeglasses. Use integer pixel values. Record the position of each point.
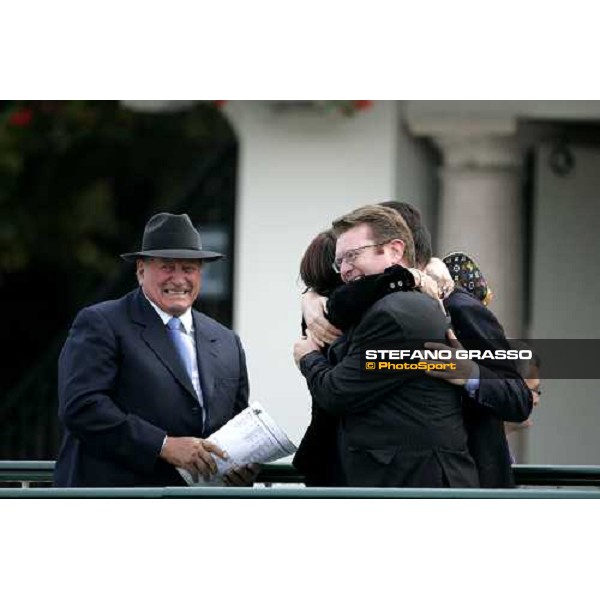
(495, 392)
(394, 432)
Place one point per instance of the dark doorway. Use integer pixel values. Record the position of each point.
(78, 180)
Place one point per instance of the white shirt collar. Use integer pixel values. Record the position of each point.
(185, 318)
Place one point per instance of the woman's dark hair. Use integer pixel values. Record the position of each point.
(316, 270)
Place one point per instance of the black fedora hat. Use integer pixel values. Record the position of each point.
(171, 236)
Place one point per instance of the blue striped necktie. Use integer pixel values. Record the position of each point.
(176, 332)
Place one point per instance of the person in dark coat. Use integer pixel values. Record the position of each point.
(145, 379)
(317, 456)
(498, 394)
(395, 432)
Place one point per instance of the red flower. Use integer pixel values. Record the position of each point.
(363, 104)
(21, 117)
(219, 103)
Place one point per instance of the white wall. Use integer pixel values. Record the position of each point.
(297, 171)
(566, 289)
(416, 172)
(525, 109)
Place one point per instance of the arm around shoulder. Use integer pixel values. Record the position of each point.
(346, 387)
(501, 390)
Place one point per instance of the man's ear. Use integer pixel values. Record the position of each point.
(397, 247)
(139, 270)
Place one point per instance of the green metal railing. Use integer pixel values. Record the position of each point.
(220, 493)
(565, 477)
(26, 472)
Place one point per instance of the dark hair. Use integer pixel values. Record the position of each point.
(385, 223)
(316, 270)
(421, 236)
(525, 366)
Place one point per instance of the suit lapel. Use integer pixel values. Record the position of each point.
(156, 337)
(206, 351)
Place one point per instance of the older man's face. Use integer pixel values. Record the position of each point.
(358, 255)
(172, 284)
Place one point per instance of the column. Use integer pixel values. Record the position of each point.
(480, 209)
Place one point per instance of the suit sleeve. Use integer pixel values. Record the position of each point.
(241, 400)
(501, 388)
(346, 388)
(88, 371)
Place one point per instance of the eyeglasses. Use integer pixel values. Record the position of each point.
(351, 255)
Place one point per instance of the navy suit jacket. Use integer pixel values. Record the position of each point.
(404, 431)
(122, 387)
(502, 395)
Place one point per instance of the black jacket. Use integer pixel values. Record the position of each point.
(404, 431)
(502, 395)
(122, 388)
(317, 457)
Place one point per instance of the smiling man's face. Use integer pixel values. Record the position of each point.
(172, 284)
(358, 254)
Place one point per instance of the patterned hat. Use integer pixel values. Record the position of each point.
(466, 274)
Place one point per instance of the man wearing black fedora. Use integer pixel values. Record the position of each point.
(145, 379)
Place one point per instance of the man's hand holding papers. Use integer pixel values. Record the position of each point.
(242, 476)
(251, 437)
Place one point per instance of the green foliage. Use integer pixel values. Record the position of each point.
(65, 168)
(78, 180)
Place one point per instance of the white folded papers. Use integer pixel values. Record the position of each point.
(252, 436)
